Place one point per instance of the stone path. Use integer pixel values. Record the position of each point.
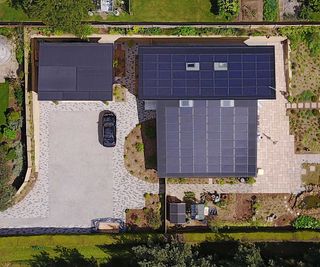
(303, 105)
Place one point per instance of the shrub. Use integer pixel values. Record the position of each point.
(11, 155)
(310, 9)
(251, 180)
(13, 116)
(139, 147)
(151, 31)
(228, 8)
(270, 10)
(185, 31)
(189, 197)
(306, 222)
(18, 93)
(9, 134)
(20, 54)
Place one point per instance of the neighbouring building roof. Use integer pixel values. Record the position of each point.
(75, 71)
(206, 72)
(177, 213)
(207, 138)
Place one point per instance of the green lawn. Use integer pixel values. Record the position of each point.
(8, 13)
(4, 101)
(103, 247)
(169, 10)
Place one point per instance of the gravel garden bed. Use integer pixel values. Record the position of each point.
(305, 126)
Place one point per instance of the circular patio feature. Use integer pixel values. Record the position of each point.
(5, 53)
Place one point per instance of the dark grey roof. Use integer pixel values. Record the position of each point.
(207, 140)
(75, 71)
(250, 72)
(177, 212)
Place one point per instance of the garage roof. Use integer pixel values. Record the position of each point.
(209, 138)
(75, 71)
(206, 72)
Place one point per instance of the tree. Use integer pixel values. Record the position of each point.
(248, 255)
(310, 9)
(170, 254)
(63, 15)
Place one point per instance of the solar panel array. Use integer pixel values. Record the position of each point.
(208, 139)
(75, 71)
(250, 72)
(177, 213)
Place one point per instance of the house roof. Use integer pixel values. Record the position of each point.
(228, 72)
(207, 140)
(75, 71)
(177, 212)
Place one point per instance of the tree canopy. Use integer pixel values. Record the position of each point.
(170, 254)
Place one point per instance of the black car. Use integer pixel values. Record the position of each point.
(109, 129)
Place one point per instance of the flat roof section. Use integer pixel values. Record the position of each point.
(209, 139)
(75, 71)
(206, 72)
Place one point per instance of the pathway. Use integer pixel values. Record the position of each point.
(303, 105)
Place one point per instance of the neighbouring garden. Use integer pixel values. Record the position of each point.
(12, 152)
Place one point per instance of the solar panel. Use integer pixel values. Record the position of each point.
(207, 139)
(236, 72)
(76, 71)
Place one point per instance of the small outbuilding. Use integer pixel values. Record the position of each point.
(197, 212)
(177, 213)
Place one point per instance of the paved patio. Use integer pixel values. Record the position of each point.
(281, 166)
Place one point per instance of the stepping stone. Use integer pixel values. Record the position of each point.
(312, 168)
(314, 105)
(300, 105)
(294, 105)
(307, 105)
(303, 171)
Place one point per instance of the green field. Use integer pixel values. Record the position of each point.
(20, 250)
(4, 101)
(8, 13)
(169, 10)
